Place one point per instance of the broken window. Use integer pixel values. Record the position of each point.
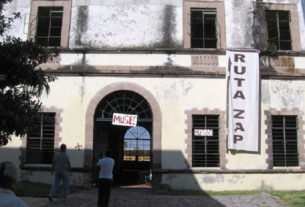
(203, 28)
(40, 139)
(284, 141)
(205, 141)
(278, 26)
(49, 25)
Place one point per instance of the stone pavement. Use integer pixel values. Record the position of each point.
(144, 198)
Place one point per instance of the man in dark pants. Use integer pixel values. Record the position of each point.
(105, 179)
(62, 166)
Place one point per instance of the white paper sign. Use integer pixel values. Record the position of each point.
(203, 132)
(243, 84)
(124, 119)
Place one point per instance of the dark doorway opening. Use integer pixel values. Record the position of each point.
(131, 146)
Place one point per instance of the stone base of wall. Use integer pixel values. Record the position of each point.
(235, 181)
(77, 179)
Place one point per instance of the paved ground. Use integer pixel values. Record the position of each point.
(144, 198)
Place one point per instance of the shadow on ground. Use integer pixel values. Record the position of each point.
(145, 198)
(126, 197)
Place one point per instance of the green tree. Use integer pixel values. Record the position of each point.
(21, 81)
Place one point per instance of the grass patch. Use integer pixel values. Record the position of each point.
(28, 189)
(249, 192)
(211, 193)
(291, 198)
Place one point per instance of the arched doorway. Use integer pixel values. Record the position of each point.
(131, 146)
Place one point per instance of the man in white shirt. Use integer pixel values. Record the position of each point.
(105, 179)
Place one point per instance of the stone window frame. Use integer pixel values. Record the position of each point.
(301, 141)
(57, 139)
(222, 136)
(65, 29)
(220, 10)
(294, 24)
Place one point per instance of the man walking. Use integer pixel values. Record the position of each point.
(105, 179)
(61, 164)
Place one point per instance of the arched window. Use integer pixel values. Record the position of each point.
(137, 145)
(125, 102)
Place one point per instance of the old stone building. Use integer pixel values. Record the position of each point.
(166, 61)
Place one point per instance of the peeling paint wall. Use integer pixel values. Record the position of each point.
(239, 34)
(259, 31)
(249, 28)
(154, 23)
(82, 22)
(134, 24)
(301, 9)
(283, 94)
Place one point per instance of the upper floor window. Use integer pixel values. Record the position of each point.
(40, 139)
(284, 141)
(203, 28)
(204, 24)
(278, 27)
(205, 141)
(49, 24)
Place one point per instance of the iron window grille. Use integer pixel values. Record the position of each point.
(205, 149)
(40, 139)
(126, 102)
(49, 25)
(284, 141)
(203, 28)
(278, 27)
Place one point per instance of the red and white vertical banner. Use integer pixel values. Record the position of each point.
(243, 85)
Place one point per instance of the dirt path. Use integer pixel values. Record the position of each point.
(144, 198)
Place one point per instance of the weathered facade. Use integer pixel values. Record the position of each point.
(148, 57)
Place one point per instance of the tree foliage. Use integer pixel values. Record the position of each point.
(21, 81)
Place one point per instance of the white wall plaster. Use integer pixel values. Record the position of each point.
(126, 25)
(222, 61)
(299, 62)
(70, 58)
(138, 59)
(282, 1)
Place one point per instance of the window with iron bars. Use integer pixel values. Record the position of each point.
(40, 139)
(205, 149)
(278, 27)
(49, 24)
(203, 28)
(284, 141)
